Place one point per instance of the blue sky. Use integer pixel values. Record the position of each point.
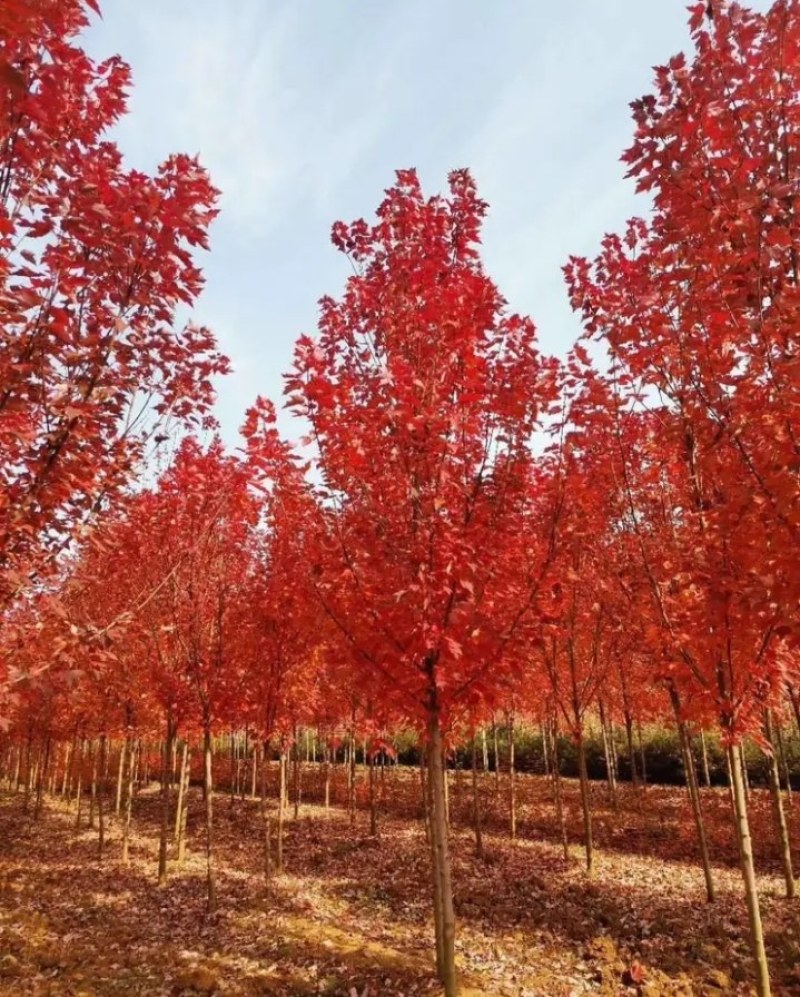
(303, 109)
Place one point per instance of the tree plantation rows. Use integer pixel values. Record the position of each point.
(471, 548)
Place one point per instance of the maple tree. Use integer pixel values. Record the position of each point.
(478, 539)
(697, 304)
(94, 262)
(422, 394)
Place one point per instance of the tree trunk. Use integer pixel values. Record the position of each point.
(446, 781)
(794, 699)
(351, 779)
(120, 771)
(496, 753)
(748, 870)
(41, 779)
(78, 797)
(512, 780)
(67, 769)
(373, 813)
(485, 750)
(611, 775)
(209, 787)
(101, 816)
(166, 779)
(777, 807)
(266, 825)
(281, 809)
(126, 830)
(93, 787)
(745, 773)
(784, 765)
(232, 777)
(17, 765)
(641, 751)
(297, 783)
(562, 819)
(585, 803)
(545, 751)
(612, 740)
(476, 802)
(631, 752)
(425, 795)
(183, 788)
(694, 798)
(444, 914)
(326, 753)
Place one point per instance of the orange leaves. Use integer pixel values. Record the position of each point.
(422, 394)
(80, 246)
(697, 309)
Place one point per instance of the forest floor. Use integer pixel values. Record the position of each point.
(350, 915)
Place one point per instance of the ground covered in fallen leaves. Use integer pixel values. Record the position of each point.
(350, 915)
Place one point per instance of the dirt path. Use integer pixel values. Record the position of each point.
(350, 916)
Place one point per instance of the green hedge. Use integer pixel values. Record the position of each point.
(661, 752)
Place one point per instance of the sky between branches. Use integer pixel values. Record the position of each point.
(303, 109)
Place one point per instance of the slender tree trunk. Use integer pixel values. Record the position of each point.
(179, 805)
(777, 806)
(585, 803)
(704, 758)
(545, 750)
(166, 776)
(93, 788)
(281, 809)
(211, 879)
(182, 790)
(126, 829)
(78, 797)
(232, 777)
(443, 892)
(476, 802)
(611, 776)
(327, 765)
(612, 741)
(17, 766)
(694, 793)
(28, 770)
(642, 757)
(745, 773)
(512, 780)
(496, 752)
(266, 825)
(373, 813)
(41, 778)
(697, 811)
(562, 819)
(631, 752)
(101, 816)
(120, 772)
(297, 761)
(52, 769)
(184, 807)
(485, 750)
(425, 795)
(351, 779)
(67, 769)
(794, 699)
(784, 764)
(735, 768)
(446, 782)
